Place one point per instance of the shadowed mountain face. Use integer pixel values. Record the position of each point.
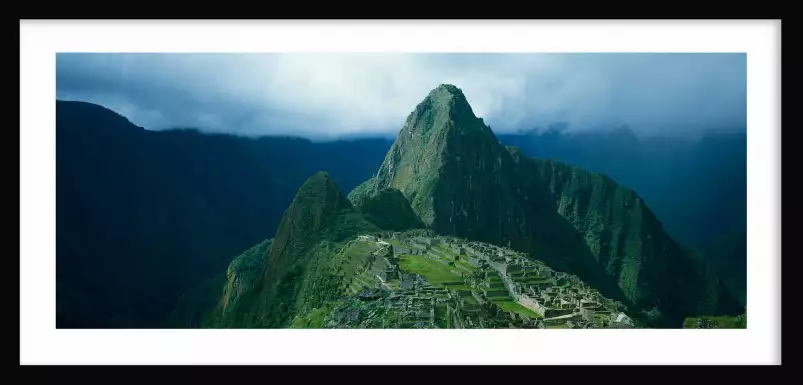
(319, 216)
(697, 187)
(388, 208)
(319, 213)
(317, 207)
(462, 181)
(443, 160)
(142, 216)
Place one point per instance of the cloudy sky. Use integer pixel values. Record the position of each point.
(325, 96)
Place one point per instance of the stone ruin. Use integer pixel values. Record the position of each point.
(560, 298)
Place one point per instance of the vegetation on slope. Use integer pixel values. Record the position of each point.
(442, 131)
(387, 208)
(439, 286)
(627, 239)
(144, 216)
(462, 181)
(319, 218)
(696, 186)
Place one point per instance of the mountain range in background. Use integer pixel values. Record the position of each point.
(142, 216)
(697, 187)
(145, 217)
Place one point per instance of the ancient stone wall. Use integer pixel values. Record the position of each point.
(500, 267)
(531, 304)
(511, 288)
(549, 313)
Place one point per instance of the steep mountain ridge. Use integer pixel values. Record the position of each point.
(317, 204)
(461, 181)
(441, 136)
(319, 215)
(628, 240)
(244, 272)
(695, 185)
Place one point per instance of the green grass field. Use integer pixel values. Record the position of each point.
(440, 274)
(435, 272)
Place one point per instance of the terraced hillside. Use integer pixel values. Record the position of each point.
(461, 181)
(421, 244)
(416, 279)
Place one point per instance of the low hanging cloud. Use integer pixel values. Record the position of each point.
(327, 96)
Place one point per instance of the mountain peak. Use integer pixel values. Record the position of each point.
(446, 92)
(320, 177)
(448, 100)
(321, 191)
(320, 211)
(319, 205)
(449, 88)
(438, 146)
(444, 109)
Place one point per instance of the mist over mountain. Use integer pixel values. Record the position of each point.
(328, 96)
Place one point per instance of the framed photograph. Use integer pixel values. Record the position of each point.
(529, 192)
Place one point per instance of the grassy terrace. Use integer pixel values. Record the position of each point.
(438, 273)
(354, 255)
(350, 261)
(359, 282)
(462, 262)
(435, 272)
(499, 296)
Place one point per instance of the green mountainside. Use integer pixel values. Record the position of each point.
(388, 208)
(461, 181)
(509, 242)
(319, 217)
(628, 241)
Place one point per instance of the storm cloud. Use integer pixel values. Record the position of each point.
(327, 96)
